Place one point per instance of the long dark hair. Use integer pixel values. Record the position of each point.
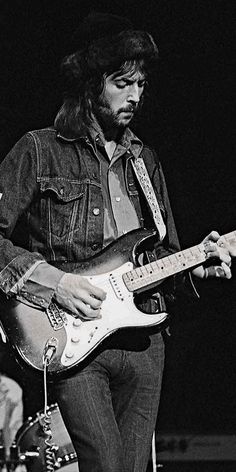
(84, 71)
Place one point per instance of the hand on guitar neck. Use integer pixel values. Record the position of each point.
(229, 245)
(220, 253)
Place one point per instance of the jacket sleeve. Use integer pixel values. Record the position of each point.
(18, 184)
(40, 287)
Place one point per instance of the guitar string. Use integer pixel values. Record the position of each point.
(158, 264)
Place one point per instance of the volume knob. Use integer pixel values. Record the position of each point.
(69, 354)
(76, 323)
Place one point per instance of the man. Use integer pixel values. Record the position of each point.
(69, 191)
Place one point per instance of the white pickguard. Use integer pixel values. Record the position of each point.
(118, 311)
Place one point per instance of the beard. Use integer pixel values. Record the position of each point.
(109, 119)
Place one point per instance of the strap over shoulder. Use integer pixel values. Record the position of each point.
(146, 185)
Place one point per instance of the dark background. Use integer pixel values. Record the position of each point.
(189, 118)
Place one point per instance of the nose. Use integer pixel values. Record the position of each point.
(134, 93)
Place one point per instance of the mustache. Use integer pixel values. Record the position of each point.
(129, 109)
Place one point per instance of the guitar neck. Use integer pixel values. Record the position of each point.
(148, 275)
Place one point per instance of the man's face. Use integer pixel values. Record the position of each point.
(120, 99)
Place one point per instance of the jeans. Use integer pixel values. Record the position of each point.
(110, 407)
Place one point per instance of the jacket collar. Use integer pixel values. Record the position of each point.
(128, 140)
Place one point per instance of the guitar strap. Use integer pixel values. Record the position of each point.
(146, 185)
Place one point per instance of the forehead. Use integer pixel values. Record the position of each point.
(133, 75)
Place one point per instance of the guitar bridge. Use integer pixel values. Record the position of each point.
(56, 316)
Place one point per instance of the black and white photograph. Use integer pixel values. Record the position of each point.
(117, 236)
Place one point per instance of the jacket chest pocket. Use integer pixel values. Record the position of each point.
(62, 203)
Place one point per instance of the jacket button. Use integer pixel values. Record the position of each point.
(95, 246)
(96, 211)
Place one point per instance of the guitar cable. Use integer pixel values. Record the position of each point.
(46, 420)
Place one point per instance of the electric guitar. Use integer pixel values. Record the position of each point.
(66, 341)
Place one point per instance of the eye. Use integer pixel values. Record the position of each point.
(142, 83)
(121, 84)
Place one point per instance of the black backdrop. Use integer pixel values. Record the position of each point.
(189, 118)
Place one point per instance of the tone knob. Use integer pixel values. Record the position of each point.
(77, 322)
(69, 354)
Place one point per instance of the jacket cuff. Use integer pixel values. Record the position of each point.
(40, 286)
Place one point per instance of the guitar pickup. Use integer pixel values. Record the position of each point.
(116, 287)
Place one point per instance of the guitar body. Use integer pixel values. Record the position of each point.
(116, 270)
(28, 328)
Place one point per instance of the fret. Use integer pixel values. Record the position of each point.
(161, 265)
(147, 275)
(155, 271)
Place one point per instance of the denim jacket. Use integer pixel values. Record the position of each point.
(51, 204)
